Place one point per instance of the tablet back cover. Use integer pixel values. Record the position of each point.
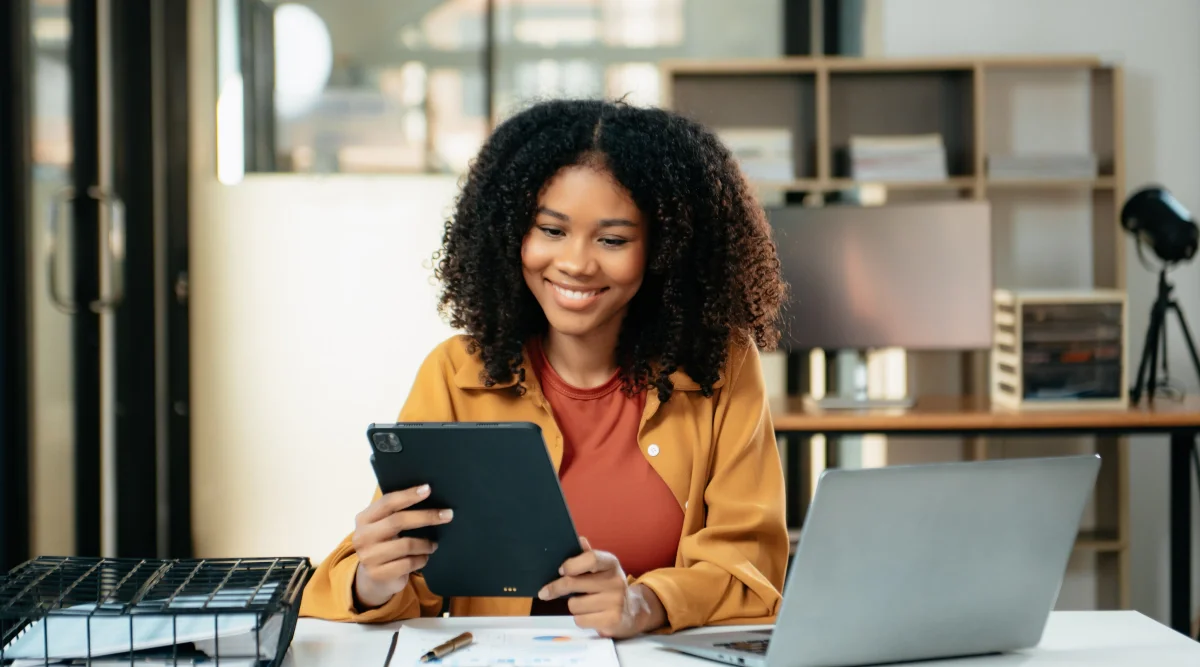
(511, 529)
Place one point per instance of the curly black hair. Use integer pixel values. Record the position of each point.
(712, 274)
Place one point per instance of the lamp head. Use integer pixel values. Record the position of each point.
(1157, 219)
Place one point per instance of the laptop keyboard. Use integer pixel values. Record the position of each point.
(756, 646)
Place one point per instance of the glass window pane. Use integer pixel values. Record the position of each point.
(611, 48)
(51, 362)
(402, 92)
(399, 87)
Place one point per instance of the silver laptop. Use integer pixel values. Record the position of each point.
(919, 562)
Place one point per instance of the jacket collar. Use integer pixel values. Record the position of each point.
(470, 376)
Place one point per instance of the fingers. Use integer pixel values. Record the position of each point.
(388, 529)
(589, 561)
(410, 519)
(607, 623)
(590, 604)
(385, 552)
(595, 582)
(396, 523)
(398, 569)
(393, 502)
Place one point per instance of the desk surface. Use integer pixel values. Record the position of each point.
(1096, 639)
(965, 413)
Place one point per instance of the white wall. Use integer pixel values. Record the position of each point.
(1155, 42)
(311, 308)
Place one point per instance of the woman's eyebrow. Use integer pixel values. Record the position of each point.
(553, 214)
(606, 222)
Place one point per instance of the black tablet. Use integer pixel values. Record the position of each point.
(511, 529)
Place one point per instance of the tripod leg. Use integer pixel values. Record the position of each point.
(1159, 328)
(1187, 338)
(1150, 351)
(1148, 348)
(1162, 351)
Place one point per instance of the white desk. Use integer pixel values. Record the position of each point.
(1095, 639)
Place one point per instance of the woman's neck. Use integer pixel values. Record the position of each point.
(582, 361)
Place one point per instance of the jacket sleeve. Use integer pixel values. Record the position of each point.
(733, 568)
(328, 594)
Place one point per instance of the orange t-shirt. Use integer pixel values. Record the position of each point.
(617, 500)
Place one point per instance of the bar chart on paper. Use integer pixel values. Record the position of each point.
(510, 647)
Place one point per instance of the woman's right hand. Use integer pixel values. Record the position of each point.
(386, 557)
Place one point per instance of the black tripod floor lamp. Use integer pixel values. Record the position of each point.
(1157, 220)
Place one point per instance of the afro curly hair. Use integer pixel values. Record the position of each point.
(712, 274)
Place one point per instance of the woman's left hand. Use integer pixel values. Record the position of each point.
(604, 600)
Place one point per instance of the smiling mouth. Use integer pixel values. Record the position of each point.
(576, 295)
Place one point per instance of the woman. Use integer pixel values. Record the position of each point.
(614, 277)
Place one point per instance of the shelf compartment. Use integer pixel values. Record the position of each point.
(761, 102)
(1031, 111)
(903, 103)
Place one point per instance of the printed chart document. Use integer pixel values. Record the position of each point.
(510, 647)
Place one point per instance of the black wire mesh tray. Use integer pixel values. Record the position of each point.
(105, 611)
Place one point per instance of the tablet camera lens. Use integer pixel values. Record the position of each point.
(387, 442)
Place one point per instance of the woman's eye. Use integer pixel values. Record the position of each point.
(551, 231)
(614, 242)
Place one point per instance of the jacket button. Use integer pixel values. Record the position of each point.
(652, 450)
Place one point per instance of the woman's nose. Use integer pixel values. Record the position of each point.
(575, 259)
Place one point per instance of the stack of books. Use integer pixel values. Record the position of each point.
(1040, 166)
(763, 154)
(920, 157)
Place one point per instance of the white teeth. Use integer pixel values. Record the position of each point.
(575, 294)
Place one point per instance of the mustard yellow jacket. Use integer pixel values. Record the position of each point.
(718, 456)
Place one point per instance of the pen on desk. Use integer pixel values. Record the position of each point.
(449, 647)
(391, 651)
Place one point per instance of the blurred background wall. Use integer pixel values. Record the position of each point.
(1162, 93)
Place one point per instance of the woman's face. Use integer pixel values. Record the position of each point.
(585, 255)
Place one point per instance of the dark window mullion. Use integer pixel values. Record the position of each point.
(84, 261)
(175, 163)
(134, 174)
(15, 189)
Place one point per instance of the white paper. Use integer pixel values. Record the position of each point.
(72, 637)
(509, 647)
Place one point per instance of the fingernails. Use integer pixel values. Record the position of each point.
(544, 594)
(446, 515)
(423, 490)
(560, 571)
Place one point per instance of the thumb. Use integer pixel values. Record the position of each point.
(583, 542)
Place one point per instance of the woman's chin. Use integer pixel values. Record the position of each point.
(576, 327)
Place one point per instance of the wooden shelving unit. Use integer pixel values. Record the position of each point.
(979, 106)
